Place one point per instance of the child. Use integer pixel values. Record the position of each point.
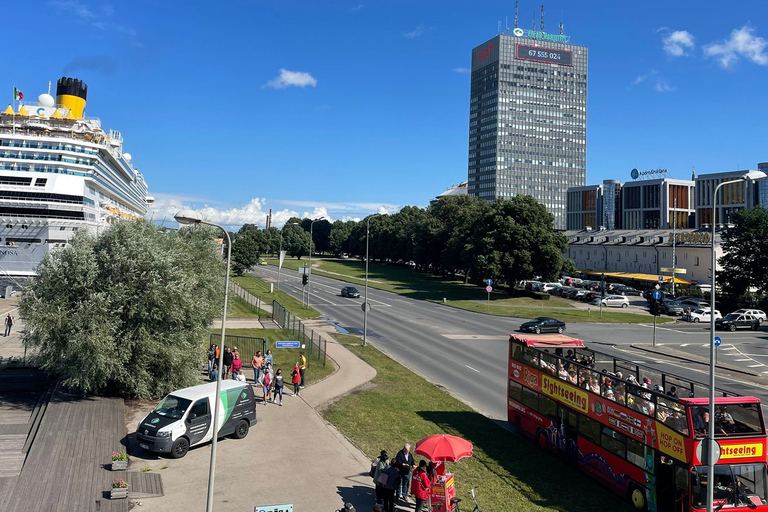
(295, 379)
(278, 385)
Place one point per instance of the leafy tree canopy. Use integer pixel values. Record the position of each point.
(745, 253)
(126, 311)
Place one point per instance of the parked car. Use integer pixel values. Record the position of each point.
(702, 315)
(625, 290)
(733, 321)
(757, 313)
(351, 292)
(671, 307)
(613, 301)
(571, 281)
(543, 324)
(580, 295)
(693, 303)
(551, 287)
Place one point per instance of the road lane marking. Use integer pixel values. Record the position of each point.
(474, 337)
(684, 344)
(755, 365)
(673, 330)
(474, 370)
(747, 359)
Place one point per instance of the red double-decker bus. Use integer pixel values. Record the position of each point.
(634, 428)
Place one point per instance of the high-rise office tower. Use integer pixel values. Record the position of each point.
(528, 118)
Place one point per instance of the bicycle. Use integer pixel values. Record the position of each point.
(455, 502)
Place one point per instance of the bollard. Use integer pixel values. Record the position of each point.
(589, 312)
(271, 287)
(444, 301)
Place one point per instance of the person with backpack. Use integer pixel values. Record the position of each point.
(9, 323)
(295, 379)
(381, 465)
(278, 385)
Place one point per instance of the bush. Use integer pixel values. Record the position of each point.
(522, 292)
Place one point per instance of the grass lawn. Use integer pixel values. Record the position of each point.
(510, 474)
(260, 288)
(238, 308)
(284, 358)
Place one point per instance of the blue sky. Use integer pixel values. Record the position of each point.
(345, 108)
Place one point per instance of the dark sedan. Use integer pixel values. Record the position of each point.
(351, 292)
(543, 324)
(732, 321)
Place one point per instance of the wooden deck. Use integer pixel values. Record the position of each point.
(67, 465)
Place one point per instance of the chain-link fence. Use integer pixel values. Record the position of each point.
(253, 300)
(314, 342)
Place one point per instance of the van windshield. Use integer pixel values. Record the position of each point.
(172, 407)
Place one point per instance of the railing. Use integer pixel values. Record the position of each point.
(246, 345)
(316, 344)
(253, 300)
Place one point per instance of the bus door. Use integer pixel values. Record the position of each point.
(568, 427)
(671, 484)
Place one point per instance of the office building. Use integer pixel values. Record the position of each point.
(594, 206)
(657, 204)
(528, 119)
(732, 198)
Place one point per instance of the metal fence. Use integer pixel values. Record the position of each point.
(314, 342)
(253, 300)
(246, 345)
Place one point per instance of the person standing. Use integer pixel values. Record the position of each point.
(302, 366)
(211, 359)
(228, 358)
(278, 385)
(237, 366)
(420, 485)
(256, 363)
(9, 324)
(268, 357)
(295, 379)
(404, 462)
(215, 373)
(393, 482)
(381, 465)
(266, 384)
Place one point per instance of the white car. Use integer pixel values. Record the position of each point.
(702, 315)
(757, 313)
(616, 301)
(551, 287)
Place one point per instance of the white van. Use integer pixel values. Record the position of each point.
(184, 418)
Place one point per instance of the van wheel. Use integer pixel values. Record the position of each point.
(180, 448)
(241, 430)
(636, 498)
(542, 441)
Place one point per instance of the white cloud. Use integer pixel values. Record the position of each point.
(288, 78)
(678, 42)
(663, 86)
(461, 70)
(358, 7)
(77, 8)
(257, 210)
(414, 33)
(743, 43)
(642, 78)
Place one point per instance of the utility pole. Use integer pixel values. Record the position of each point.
(674, 236)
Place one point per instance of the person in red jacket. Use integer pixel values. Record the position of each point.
(295, 379)
(420, 485)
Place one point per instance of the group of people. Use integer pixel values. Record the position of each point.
(396, 478)
(264, 376)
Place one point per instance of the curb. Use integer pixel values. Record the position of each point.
(690, 358)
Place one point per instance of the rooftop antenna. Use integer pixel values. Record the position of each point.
(499, 27)
(49, 87)
(542, 17)
(506, 23)
(693, 174)
(561, 22)
(515, 13)
(533, 21)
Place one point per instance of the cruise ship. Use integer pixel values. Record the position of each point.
(60, 172)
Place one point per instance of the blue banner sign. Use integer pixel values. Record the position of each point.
(287, 344)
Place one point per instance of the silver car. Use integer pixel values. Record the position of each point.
(615, 301)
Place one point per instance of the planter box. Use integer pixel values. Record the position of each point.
(118, 465)
(117, 494)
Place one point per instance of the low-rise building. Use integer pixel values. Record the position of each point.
(732, 198)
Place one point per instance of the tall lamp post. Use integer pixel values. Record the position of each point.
(366, 307)
(193, 217)
(280, 253)
(751, 176)
(309, 280)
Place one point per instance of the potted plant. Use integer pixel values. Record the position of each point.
(119, 460)
(119, 489)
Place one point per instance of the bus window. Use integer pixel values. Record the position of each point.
(614, 442)
(750, 483)
(589, 429)
(635, 452)
(531, 399)
(673, 416)
(735, 485)
(746, 418)
(547, 406)
(517, 352)
(530, 357)
(515, 391)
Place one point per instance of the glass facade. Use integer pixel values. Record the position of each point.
(528, 121)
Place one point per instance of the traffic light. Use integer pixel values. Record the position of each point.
(656, 307)
(304, 279)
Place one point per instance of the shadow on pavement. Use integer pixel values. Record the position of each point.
(362, 497)
(543, 479)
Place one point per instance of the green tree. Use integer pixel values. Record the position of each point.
(125, 312)
(339, 237)
(246, 249)
(745, 253)
(295, 241)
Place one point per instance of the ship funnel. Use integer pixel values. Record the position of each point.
(71, 94)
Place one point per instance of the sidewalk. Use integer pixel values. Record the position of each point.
(10, 346)
(290, 456)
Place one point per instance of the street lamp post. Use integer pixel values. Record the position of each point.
(193, 217)
(309, 277)
(365, 299)
(280, 253)
(751, 176)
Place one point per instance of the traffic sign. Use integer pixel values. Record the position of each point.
(287, 344)
(718, 341)
(365, 306)
(657, 294)
(657, 287)
(489, 282)
(673, 270)
(703, 454)
(661, 279)
(489, 289)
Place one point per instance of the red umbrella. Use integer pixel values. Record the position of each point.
(442, 447)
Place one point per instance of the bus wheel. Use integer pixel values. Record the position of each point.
(637, 499)
(180, 448)
(542, 441)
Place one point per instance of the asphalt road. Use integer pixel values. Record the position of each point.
(466, 352)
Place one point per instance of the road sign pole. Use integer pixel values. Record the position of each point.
(654, 330)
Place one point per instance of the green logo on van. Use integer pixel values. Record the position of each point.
(243, 395)
(155, 420)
